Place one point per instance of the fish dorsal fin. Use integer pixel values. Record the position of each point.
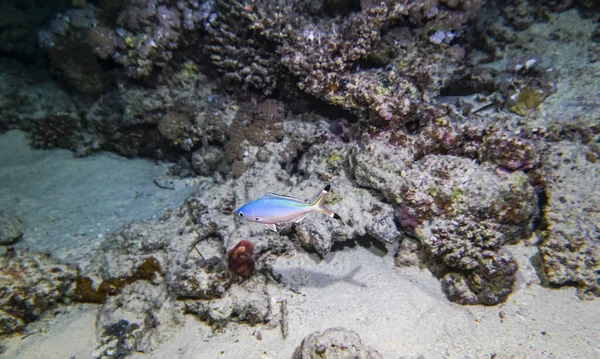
(275, 195)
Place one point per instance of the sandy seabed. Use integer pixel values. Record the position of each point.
(402, 313)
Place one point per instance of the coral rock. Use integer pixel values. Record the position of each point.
(29, 285)
(570, 246)
(11, 229)
(128, 322)
(334, 343)
(462, 213)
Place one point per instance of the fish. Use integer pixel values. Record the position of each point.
(273, 209)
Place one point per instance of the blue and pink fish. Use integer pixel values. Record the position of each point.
(273, 209)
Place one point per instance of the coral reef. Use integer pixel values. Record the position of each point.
(30, 284)
(164, 123)
(149, 32)
(465, 214)
(324, 56)
(474, 269)
(70, 54)
(449, 180)
(253, 126)
(29, 96)
(489, 144)
(238, 54)
(334, 343)
(151, 273)
(138, 35)
(20, 22)
(268, 45)
(244, 302)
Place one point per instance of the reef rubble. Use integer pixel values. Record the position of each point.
(444, 132)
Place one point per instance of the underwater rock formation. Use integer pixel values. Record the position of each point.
(190, 282)
(138, 35)
(253, 125)
(570, 237)
(11, 229)
(269, 45)
(24, 105)
(233, 47)
(244, 302)
(20, 21)
(334, 343)
(325, 55)
(163, 123)
(402, 162)
(30, 284)
(70, 53)
(466, 213)
(128, 322)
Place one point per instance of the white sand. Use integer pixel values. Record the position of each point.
(403, 313)
(400, 312)
(69, 204)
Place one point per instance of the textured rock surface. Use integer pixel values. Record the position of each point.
(11, 229)
(334, 343)
(138, 35)
(163, 122)
(323, 56)
(460, 174)
(20, 23)
(143, 263)
(570, 245)
(30, 284)
(243, 302)
(241, 57)
(23, 105)
(463, 213)
(129, 322)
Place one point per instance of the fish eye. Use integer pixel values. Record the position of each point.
(257, 219)
(241, 214)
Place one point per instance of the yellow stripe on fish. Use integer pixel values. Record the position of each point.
(272, 209)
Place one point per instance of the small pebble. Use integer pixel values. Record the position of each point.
(320, 349)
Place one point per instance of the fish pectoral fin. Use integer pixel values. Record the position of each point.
(299, 218)
(272, 226)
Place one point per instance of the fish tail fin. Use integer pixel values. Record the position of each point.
(319, 204)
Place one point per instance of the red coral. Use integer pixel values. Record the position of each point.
(241, 259)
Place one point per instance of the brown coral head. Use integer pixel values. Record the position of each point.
(241, 259)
